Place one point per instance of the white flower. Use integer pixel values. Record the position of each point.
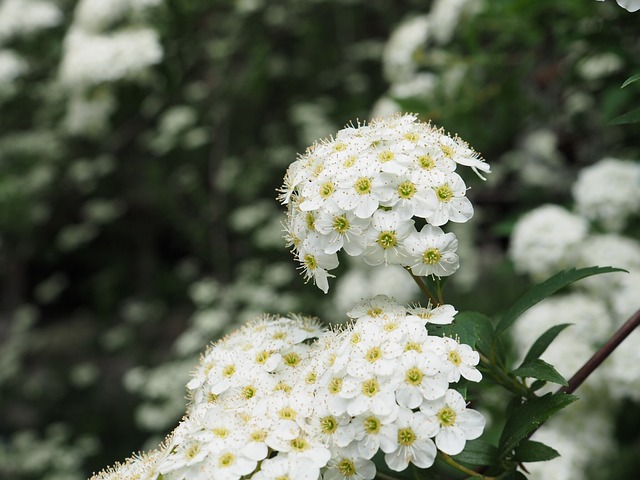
(459, 358)
(608, 192)
(315, 262)
(440, 315)
(422, 378)
(364, 190)
(544, 240)
(284, 466)
(454, 423)
(630, 5)
(432, 251)
(374, 432)
(414, 444)
(452, 203)
(346, 464)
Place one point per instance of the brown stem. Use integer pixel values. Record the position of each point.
(599, 357)
(434, 301)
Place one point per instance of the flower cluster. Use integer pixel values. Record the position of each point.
(268, 402)
(364, 190)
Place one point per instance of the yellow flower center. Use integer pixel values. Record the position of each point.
(431, 256)
(444, 193)
(406, 437)
(414, 376)
(387, 239)
(341, 224)
(363, 186)
(447, 416)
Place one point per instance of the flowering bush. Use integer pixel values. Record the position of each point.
(284, 398)
(364, 191)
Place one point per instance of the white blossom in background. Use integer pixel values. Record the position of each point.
(620, 371)
(536, 160)
(363, 190)
(598, 66)
(88, 114)
(282, 398)
(22, 17)
(97, 15)
(608, 192)
(630, 5)
(543, 241)
(607, 250)
(364, 281)
(591, 326)
(398, 57)
(445, 16)
(90, 59)
(595, 432)
(12, 67)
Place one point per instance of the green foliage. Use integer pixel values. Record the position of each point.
(540, 370)
(530, 451)
(542, 342)
(528, 417)
(546, 289)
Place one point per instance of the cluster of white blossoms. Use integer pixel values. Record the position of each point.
(283, 399)
(365, 190)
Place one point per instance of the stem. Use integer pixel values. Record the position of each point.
(434, 301)
(599, 357)
(505, 380)
(461, 468)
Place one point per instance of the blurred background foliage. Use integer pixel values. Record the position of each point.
(138, 219)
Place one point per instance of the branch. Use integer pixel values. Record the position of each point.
(594, 362)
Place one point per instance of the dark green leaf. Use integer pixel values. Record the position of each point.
(546, 289)
(528, 417)
(530, 451)
(630, 117)
(515, 476)
(540, 370)
(630, 80)
(467, 327)
(479, 326)
(543, 341)
(478, 452)
(537, 385)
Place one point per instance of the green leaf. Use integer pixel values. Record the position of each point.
(630, 117)
(528, 417)
(478, 452)
(540, 370)
(543, 341)
(477, 327)
(546, 289)
(530, 451)
(630, 80)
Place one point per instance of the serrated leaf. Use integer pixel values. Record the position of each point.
(630, 80)
(545, 289)
(467, 325)
(543, 341)
(482, 329)
(630, 117)
(540, 370)
(478, 452)
(531, 451)
(528, 417)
